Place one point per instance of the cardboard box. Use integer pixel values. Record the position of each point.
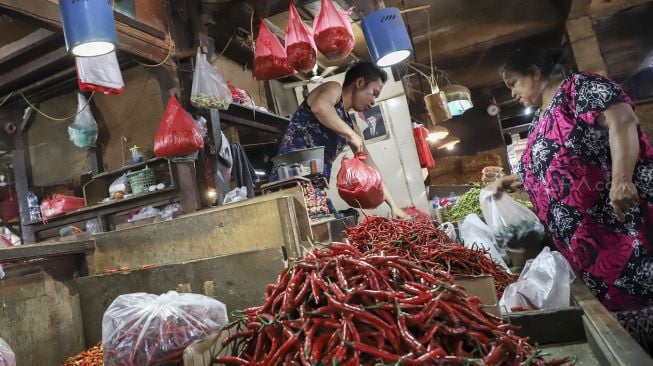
(483, 287)
(200, 353)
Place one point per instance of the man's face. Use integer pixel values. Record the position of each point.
(371, 121)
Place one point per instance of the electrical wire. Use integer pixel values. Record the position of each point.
(170, 49)
(7, 98)
(55, 118)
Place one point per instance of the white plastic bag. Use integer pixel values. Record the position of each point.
(100, 74)
(237, 195)
(545, 283)
(7, 356)
(145, 213)
(474, 231)
(512, 224)
(449, 229)
(209, 88)
(138, 328)
(170, 211)
(83, 131)
(93, 227)
(120, 184)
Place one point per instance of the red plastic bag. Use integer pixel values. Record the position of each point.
(60, 204)
(359, 184)
(334, 36)
(420, 133)
(177, 134)
(300, 47)
(270, 60)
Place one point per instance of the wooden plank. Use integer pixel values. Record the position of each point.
(226, 230)
(45, 250)
(12, 76)
(600, 8)
(23, 176)
(239, 282)
(132, 40)
(186, 177)
(616, 342)
(25, 44)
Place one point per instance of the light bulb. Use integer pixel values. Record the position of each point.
(528, 110)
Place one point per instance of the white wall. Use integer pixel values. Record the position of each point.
(396, 156)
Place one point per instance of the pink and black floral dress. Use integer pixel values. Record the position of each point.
(566, 170)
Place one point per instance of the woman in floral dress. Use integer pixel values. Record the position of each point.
(588, 170)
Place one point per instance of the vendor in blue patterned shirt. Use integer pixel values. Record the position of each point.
(322, 119)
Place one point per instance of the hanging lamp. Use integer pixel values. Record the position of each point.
(459, 98)
(437, 133)
(449, 143)
(88, 27)
(386, 36)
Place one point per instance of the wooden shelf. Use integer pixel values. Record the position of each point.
(133, 167)
(254, 118)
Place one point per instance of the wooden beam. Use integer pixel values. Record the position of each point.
(600, 8)
(25, 44)
(585, 45)
(25, 252)
(132, 40)
(11, 77)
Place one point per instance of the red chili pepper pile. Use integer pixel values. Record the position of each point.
(301, 56)
(335, 43)
(340, 307)
(419, 240)
(91, 357)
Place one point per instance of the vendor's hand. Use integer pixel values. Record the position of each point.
(398, 213)
(623, 197)
(356, 143)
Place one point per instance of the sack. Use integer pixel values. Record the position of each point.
(513, 224)
(473, 231)
(100, 74)
(270, 61)
(334, 36)
(177, 134)
(83, 131)
(300, 47)
(7, 356)
(209, 88)
(145, 329)
(359, 184)
(545, 283)
(60, 204)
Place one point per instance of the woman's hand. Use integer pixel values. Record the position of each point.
(399, 213)
(623, 197)
(509, 182)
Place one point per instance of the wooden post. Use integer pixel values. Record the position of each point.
(585, 45)
(186, 178)
(23, 176)
(95, 156)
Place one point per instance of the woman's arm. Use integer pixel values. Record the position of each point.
(322, 101)
(505, 183)
(621, 122)
(389, 198)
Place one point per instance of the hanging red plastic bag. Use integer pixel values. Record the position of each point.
(420, 133)
(334, 36)
(359, 184)
(60, 204)
(177, 134)
(300, 47)
(270, 60)
(100, 74)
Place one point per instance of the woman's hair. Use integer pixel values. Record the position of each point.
(367, 70)
(549, 61)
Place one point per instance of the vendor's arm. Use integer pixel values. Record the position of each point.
(322, 101)
(508, 182)
(621, 122)
(389, 199)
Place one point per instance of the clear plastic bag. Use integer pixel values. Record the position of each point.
(237, 195)
(200, 123)
(209, 88)
(93, 227)
(513, 224)
(170, 211)
(120, 184)
(545, 283)
(145, 213)
(100, 74)
(146, 329)
(474, 231)
(7, 356)
(83, 131)
(449, 229)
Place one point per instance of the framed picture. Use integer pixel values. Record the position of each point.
(372, 123)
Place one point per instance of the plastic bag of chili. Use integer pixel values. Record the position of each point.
(334, 36)
(359, 184)
(300, 47)
(270, 61)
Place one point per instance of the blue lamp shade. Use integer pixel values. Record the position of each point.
(88, 27)
(386, 36)
(459, 99)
